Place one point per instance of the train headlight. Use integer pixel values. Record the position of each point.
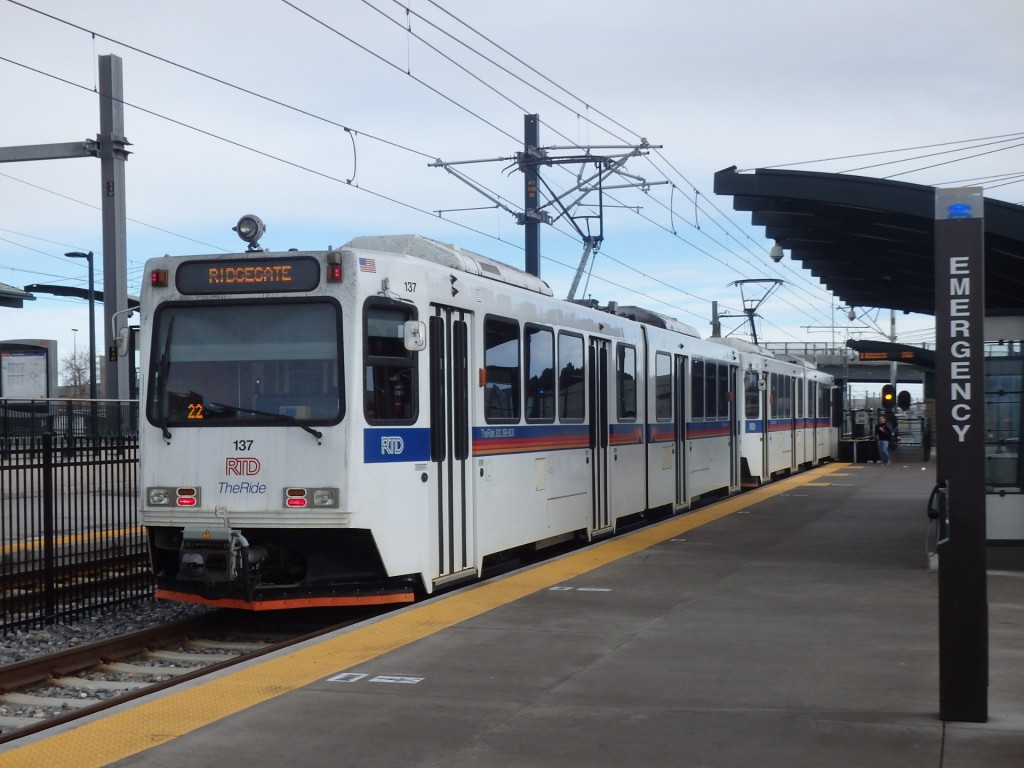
(250, 229)
(158, 497)
(325, 497)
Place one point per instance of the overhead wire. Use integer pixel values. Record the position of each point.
(950, 162)
(587, 108)
(98, 208)
(671, 231)
(243, 146)
(421, 39)
(694, 199)
(382, 59)
(249, 91)
(876, 153)
(226, 83)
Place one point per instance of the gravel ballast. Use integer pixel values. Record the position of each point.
(21, 644)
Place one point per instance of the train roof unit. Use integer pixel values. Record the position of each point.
(451, 256)
(742, 346)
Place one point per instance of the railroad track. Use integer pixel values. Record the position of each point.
(43, 692)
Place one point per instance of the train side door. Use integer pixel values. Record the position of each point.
(450, 444)
(682, 377)
(597, 384)
(734, 431)
(812, 419)
(767, 411)
(794, 404)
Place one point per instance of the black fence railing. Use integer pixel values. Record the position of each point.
(26, 421)
(70, 539)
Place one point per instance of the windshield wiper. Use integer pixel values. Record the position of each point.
(163, 368)
(280, 416)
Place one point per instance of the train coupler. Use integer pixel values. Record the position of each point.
(214, 555)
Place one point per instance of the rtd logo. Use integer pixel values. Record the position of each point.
(392, 445)
(244, 466)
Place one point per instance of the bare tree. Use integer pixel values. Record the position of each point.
(74, 373)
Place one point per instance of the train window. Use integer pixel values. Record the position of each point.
(710, 390)
(625, 377)
(662, 386)
(752, 395)
(211, 367)
(501, 370)
(389, 378)
(540, 374)
(773, 396)
(799, 398)
(570, 377)
(723, 391)
(697, 389)
(1004, 427)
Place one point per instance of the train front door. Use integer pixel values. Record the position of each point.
(450, 444)
(682, 376)
(597, 384)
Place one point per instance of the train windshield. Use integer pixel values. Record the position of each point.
(232, 363)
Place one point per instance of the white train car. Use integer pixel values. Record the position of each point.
(787, 420)
(378, 422)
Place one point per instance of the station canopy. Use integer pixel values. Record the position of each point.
(871, 242)
(12, 297)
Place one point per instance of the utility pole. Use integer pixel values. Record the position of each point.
(112, 154)
(531, 178)
(109, 146)
(892, 340)
(535, 212)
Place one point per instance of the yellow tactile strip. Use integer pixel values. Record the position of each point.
(150, 723)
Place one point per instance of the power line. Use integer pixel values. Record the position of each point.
(97, 207)
(221, 81)
(876, 153)
(525, 82)
(390, 199)
(287, 106)
(380, 58)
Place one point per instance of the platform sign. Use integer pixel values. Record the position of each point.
(960, 446)
(23, 374)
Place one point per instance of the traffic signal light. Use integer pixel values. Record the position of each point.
(888, 395)
(903, 400)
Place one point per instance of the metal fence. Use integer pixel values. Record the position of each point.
(70, 542)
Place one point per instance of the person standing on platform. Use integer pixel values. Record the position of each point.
(883, 436)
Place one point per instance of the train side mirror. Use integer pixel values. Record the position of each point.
(121, 341)
(414, 335)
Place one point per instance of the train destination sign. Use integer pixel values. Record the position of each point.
(257, 275)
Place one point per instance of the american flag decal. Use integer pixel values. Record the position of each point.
(367, 265)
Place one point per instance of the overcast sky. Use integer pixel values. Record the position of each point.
(711, 84)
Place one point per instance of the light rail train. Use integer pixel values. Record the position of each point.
(380, 421)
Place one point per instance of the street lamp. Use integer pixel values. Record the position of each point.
(92, 320)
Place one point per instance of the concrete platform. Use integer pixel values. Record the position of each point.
(795, 625)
